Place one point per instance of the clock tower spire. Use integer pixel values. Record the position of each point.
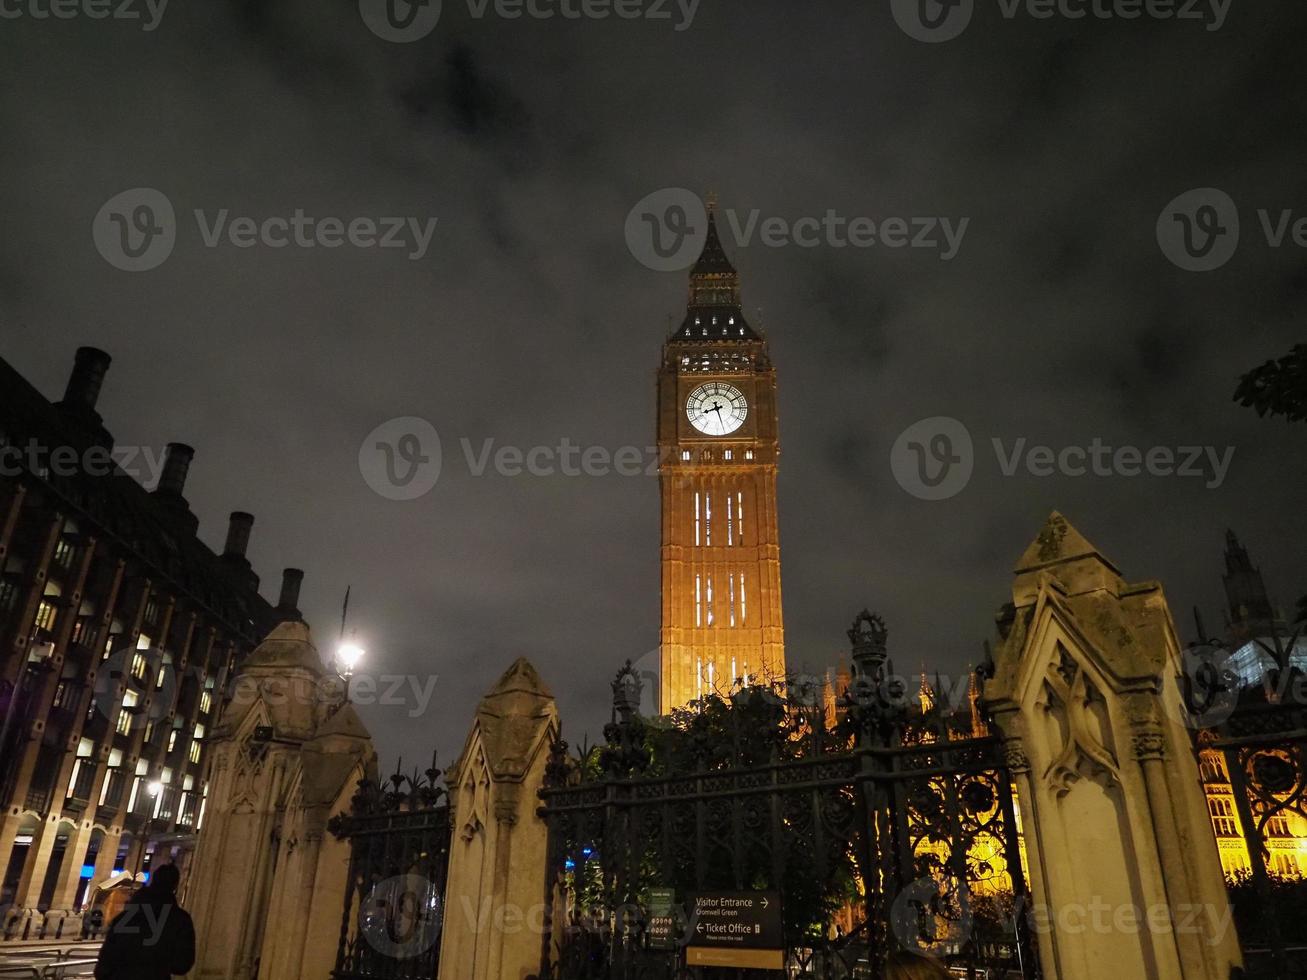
(717, 439)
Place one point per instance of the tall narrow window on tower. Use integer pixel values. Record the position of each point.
(718, 444)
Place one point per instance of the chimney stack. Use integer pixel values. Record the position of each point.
(83, 390)
(288, 604)
(238, 534)
(176, 464)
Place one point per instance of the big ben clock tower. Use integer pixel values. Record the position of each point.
(717, 439)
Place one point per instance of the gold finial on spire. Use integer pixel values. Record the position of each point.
(710, 201)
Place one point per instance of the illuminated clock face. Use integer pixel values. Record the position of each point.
(716, 409)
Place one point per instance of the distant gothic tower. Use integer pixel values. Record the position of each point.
(717, 436)
(1245, 592)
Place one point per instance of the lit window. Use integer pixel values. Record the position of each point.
(144, 642)
(45, 615)
(707, 524)
(748, 454)
(206, 702)
(698, 600)
(708, 598)
(729, 454)
(124, 725)
(743, 611)
(194, 754)
(172, 740)
(739, 513)
(730, 520)
(188, 782)
(138, 666)
(730, 581)
(698, 505)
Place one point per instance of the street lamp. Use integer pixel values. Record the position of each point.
(347, 656)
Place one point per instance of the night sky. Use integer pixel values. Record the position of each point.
(529, 320)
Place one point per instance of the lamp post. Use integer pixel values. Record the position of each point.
(347, 656)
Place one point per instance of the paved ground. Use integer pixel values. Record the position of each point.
(47, 959)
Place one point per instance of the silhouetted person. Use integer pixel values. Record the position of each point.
(153, 938)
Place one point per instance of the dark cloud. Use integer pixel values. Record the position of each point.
(528, 322)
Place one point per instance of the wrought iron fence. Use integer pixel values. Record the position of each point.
(882, 829)
(399, 832)
(1264, 747)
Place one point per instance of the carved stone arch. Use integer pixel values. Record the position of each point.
(1078, 728)
(474, 794)
(249, 755)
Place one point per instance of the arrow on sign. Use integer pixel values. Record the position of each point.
(765, 903)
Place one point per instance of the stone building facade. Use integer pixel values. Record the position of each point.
(119, 629)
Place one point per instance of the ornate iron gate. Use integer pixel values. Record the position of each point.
(882, 831)
(1263, 745)
(399, 857)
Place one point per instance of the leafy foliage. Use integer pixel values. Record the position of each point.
(1277, 387)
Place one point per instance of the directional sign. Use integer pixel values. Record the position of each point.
(736, 929)
(662, 922)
